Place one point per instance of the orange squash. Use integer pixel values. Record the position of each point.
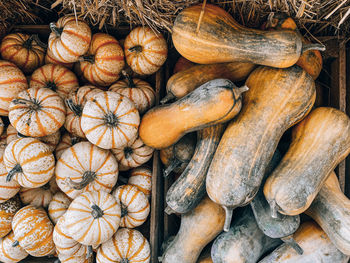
(7, 211)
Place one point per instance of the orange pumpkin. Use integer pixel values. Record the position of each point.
(145, 51)
(141, 177)
(8, 253)
(58, 206)
(50, 59)
(86, 167)
(7, 212)
(26, 51)
(12, 81)
(110, 120)
(102, 65)
(70, 39)
(54, 77)
(67, 141)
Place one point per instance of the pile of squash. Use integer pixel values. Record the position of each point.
(68, 127)
(234, 169)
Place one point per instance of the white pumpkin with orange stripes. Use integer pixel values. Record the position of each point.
(86, 167)
(110, 120)
(141, 177)
(8, 253)
(7, 212)
(103, 63)
(55, 77)
(67, 141)
(33, 231)
(127, 245)
(24, 50)
(73, 259)
(70, 38)
(29, 162)
(133, 155)
(145, 51)
(93, 218)
(138, 91)
(12, 81)
(58, 206)
(75, 103)
(50, 59)
(134, 204)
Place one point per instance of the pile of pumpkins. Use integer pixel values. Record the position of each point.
(70, 202)
(234, 169)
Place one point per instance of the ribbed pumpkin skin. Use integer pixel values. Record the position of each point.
(12, 81)
(198, 228)
(216, 101)
(8, 253)
(78, 161)
(58, 206)
(276, 100)
(141, 177)
(37, 112)
(50, 59)
(320, 142)
(72, 42)
(55, 77)
(22, 50)
(134, 204)
(33, 230)
(35, 159)
(72, 259)
(145, 51)
(127, 244)
(331, 210)
(67, 141)
(81, 224)
(104, 61)
(315, 243)
(7, 212)
(110, 120)
(133, 155)
(75, 103)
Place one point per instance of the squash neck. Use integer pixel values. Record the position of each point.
(57, 30)
(87, 178)
(173, 165)
(96, 211)
(75, 108)
(137, 49)
(312, 46)
(14, 170)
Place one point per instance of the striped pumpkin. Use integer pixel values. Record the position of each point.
(134, 204)
(85, 167)
(141, 177)
(127, 245)
(110, 120)
(58, 206)
(50, 59)
(33, 230)
(23, 50)
(55, 77)
(37, 112)
(145, 51)
(70, 38)
(104, 62)
(137, 90)
(67, 141)
(8, 253)
(7, 212)
(12, 81)
(29, 162)
(73, 259)
(133, 155)
(75, 103)
(93, 218)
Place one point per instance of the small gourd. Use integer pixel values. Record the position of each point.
(7, 211)
(9, 253)
(50, 59)
(141, 177)
(67, 141)
(58, 206)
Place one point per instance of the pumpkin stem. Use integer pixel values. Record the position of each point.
(96, 211)
(137, 48)
(167, 97)
(313, 46)
(15, 244)
(55, 29)
(290, 241)
(168, 210)
(131, 82)
(16, 169)
(28, 43)
(128, 152)
(124, 260)
(87, 58)
(242, 89)
(228, 217)
(174, 164)
(88, 177)
(21, 135)
(111, 119)
(35, 105)
(51, 85)
(76, 109)
(89, 252)
(124, 210)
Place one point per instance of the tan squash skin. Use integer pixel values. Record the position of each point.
(221, 39)
(183, 82)
(331, 210)
(276, 100)
(214, 102)
(319, 143)
(198, 228)
(316, 245)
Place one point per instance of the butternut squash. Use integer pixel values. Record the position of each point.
(319, 143)
(331, 210)
(189, 189)
(198, 228)
(183, 82)
(213, 36)
(216, 101)
(277, 99)
(316, 245)
(243, 243)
